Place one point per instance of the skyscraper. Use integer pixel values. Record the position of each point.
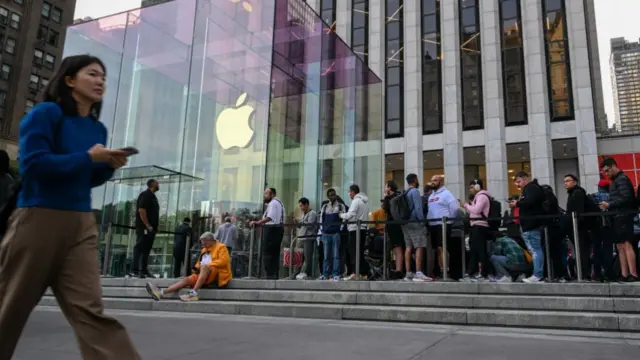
(625, 79)
(31, 40)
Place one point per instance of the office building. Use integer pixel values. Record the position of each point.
(625, 79)
(223, 99)
(32, 34)
(481, 89)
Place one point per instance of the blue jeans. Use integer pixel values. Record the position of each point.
(533, 239)
(331, 244)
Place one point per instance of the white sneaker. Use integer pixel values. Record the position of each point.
(301, 276)
(420, 276)
(409, 276)
(520, 278)
(505, 279)
(533, 279)
(467, 279)
(350, 277)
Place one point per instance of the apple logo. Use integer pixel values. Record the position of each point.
(232, 125)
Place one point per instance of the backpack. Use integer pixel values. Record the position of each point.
(399, 206)
(550, 205)
(495, 213)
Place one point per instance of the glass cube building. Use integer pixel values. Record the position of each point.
(224, 98)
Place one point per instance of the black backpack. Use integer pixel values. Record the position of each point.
(495, 213)
(399, 206)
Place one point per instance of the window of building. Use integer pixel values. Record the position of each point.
(394, 69)
(50, 61)
(34, 82)
(4, 16)
(360, 29)
(513, 73)
(328, 12)
(42, 32)
(431, 68)
(28, 105)
(52, 37)
(471, 65)
(15, 21)
(19, 1)
(46, 10)
(56, 15)
(327, 97)
(44, 82)
(3, 98)
(10, 46)
(38, 55)
(558, 63)
(5, 73)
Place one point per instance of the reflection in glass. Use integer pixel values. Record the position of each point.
(431, 68)
(558, 62)
(471, 65)
(513, 73)
(394, 64)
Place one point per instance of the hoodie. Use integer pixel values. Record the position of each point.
(442, 203)
(479, 208)
(359, 210)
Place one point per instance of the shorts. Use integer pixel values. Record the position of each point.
(435, 231)
(622, 229)
(415, 235)
(213, 276)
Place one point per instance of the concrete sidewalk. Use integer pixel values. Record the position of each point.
(173, 335)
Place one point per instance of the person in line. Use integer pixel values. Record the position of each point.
(6, 179)
(331, 228)
(147, 221)
(62, 157)
(530, 204)
(212, 268)
(508, 260)
(227, 234)
(272, 235)
(359, 210)
(478, 210)
(308, 227)
(577, 202)
(442, 203)
(394, 231)
(511, 221)
(621, 199)
(602, 244)
(415, 234)
(180, 244)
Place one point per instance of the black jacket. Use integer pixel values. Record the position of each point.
(530, 204)
(577, 202)
(621, 195)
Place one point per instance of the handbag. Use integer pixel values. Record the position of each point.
(12, 200)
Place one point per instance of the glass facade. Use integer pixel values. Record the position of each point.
(431, 67)
(223, 99)
(471, 65)
(513, 82)
(394, 68)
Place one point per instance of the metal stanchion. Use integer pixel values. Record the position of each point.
(576, 244)
(445, 252)
(252, 236)
(358, 249)
(547, 257)
(107, 251)
(464, 254)
(385, 264)
(292, 243)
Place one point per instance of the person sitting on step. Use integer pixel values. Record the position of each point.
(213, 266)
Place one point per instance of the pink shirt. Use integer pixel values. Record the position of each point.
(479, 208)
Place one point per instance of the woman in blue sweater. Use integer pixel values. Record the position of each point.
(51, 238)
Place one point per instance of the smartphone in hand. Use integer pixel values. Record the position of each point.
(130, 151)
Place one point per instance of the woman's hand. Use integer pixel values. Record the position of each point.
(117, 162)
(101, 154)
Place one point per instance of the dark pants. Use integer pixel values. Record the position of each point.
(478, 253)
(178, 259)
(602, 252)
(272, 239)
(454, 247)
(141, 251)
(557, 252)
(351, 265)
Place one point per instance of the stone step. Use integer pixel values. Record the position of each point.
(606, 321)
(470, 301)
(544, 289)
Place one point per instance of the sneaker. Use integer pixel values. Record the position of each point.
(335, 278)
(350, 277)
(533, 279)
(492, 278)
(301, 276)
(190, 296)
(520, 278)
(135, 275)
(409, 276)
(147, 275)
(421, 277)
(631, 279)
(505, 279)
(153, 290)
(322, 277)
(467, 279)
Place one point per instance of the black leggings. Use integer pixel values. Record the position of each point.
(478, 253)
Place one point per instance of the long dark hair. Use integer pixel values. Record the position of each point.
(5, 163)
(59, 92)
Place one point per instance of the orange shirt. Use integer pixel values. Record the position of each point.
(378, 215)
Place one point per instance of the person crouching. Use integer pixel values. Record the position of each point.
(213, 265)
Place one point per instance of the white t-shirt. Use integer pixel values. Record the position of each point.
(206, 260)
(275, 212)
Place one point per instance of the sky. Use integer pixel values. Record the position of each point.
(614, 18)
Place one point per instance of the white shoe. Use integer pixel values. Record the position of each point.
(421, 277)
(350, 277)
(409, 276)
(533, 279)
(505, 279)
(520, 278)
(301, 276)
